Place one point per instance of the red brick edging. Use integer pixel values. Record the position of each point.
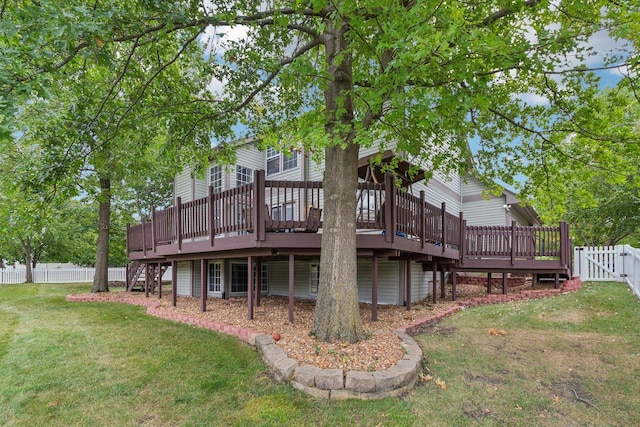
(248, 335)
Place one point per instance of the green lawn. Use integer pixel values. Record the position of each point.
(100, 364)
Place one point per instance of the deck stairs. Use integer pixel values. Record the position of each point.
(137, 276)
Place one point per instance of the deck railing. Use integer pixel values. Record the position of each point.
(518, 242)
(267, 205)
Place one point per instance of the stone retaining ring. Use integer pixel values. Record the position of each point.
(334, 383)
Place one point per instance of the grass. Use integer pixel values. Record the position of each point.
(68, 364)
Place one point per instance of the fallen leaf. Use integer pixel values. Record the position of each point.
(556, 399)
(441, 383)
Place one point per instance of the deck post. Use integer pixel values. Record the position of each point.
(203, 285)
(127, 272)
(556, 281)
(408, 279)
(211, 216)
(434, 286)
(144, 237)
(174, 283)
(463, 240)
(422, 219)
(374, 288)
(258, 281)
(128, 243)
(179, 223)
(514, 241)
(444, 227)
(454, 294)
(153, 228)
(564, 243)
(159, 280)
(389, 208)
(504, 283)
(250, 288)
(442, 280)
(258, 210)
(488, 283)
(291, 285)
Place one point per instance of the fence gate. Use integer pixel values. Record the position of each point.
(619, 263)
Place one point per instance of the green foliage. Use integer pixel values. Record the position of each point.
(595, 186)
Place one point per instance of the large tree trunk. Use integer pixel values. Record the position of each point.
(28, 259)
(101, 278)
(337, 315)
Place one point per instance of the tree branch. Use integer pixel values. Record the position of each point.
(506, 12)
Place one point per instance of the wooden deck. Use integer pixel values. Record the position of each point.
(279, 218)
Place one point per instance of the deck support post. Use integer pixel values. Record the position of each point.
(489, 283)
(434, 290)
(250, 285)
(203, 285)
(258, 281)
(442, 280)
(408, 280)
(159, 280)
(504, 283)
(556, 281)
(453, 286)
(174, 283)
(291, 285)
(374, 288)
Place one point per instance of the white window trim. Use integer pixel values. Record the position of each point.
(220, 171)
(210, 283)
(272, 154)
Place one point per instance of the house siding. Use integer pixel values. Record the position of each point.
(183, 284)
(182, 185)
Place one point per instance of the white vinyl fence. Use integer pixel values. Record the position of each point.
(608, 263)
(59, 275)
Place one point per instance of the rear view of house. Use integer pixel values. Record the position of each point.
(258, 225)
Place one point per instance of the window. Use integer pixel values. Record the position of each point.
(280, 162)
(239, 278)
(243, 175)
(314, 279)
(264, 283)
(215, 277)
(215, 178)
(283, 212)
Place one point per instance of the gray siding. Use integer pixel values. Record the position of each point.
(182, 186)
(279, 278)
(420, 281)
(486, 212)
(184, 278)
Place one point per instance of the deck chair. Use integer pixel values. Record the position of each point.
(313, 221)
